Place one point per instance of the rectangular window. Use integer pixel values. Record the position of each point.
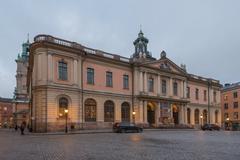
(90, 76)
(225, 105)
(62, 70)
(125, 82)
(164, 87)
(235, 104)
(188, 92)
(150, 84)
(205, 95)
(175, 89)
(197, 94)
(235, 94)
(109, 82)
(235, 115)
(215, 96)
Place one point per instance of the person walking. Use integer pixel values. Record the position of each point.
(22, 128)
(16, 127)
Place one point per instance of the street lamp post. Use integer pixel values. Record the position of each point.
(66, 115)
(134, 113)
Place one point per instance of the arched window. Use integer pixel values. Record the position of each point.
(63, 104)
(175, 89)
(62, 70)
(108, 111)
(188, 116)
(204, 116)
(196, 116)
(125, 112)
(216, 116)
(90, 110)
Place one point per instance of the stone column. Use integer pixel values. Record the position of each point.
(141, 106)
(170, 87)
(145, 112)
(182, 114)
(50, 67)
(192, 116)
(157, 115)
(145, 82)
(171, 111)
(118, 112)
(182, 89)
(75, 73)
(158, 85)
(141, 81)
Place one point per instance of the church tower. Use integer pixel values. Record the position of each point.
(21, 75)
(141, 51)
(21, 98)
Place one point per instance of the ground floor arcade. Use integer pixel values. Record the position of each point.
(93, 110)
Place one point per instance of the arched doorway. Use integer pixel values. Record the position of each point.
(175, 112)
(189, 116)
(204, 116)
(151, 114)
(125, 112)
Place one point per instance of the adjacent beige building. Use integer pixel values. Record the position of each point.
(100, 88)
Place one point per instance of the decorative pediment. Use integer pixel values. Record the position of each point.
(166, 64)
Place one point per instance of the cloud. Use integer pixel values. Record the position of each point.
(202, 34)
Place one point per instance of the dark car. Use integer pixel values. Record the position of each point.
(124, 127)
(210, 127)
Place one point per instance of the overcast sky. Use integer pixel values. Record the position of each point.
(203, 34)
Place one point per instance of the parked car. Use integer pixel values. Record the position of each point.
(124, 127)
(210, 127)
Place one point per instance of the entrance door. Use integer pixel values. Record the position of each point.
(175, 114)
(175, 117)
(150, 115)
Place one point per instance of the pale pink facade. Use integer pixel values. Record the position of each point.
(99, 88)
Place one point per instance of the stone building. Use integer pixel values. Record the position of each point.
(99, 88)
(6, 112)
(230, 100)
(21, 98)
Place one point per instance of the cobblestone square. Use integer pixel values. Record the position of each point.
(169, 145)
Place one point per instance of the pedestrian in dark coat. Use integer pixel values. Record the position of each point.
(16, 127)
(22, 128)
